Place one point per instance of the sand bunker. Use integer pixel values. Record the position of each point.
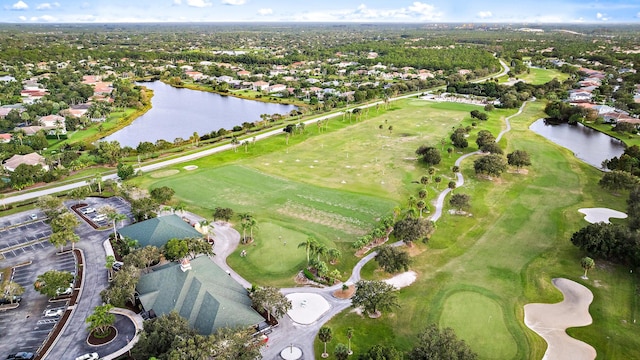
(307, 308)
(163, 173)
(190, 167)
(551, 320)
(402, 280)
(595, 215)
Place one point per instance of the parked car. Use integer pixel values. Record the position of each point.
(63, 291)
(23, 355)
(91, 356)
(34, 216)
(88, 210)
(6, 300)
(53, 312)
(101, 217)
(117, 265)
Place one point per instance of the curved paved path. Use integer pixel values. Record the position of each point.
(551, 321)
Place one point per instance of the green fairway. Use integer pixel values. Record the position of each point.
(473, 316)
(537, 76)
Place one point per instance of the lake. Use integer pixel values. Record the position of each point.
(178, 113)
(590, 146)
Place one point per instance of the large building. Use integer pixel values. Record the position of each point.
(157, 231)
(199, 291)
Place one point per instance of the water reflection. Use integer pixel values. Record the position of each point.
(591, 146)
(178, 113)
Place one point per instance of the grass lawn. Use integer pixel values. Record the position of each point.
(538, 76)
(516, 241)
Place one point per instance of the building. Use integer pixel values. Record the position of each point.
(159, 230)
(201, 292)
(30, 159)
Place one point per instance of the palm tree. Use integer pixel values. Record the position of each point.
(234, 143)
(587, 264)
(349, 336)
(319, 250)
(438, 180)
(308, 244)
(205, 226)
(110, 260)
(432, 171)
(421, 205)
(13, 289)
(411, 202)
(333, 254)
(325, 336)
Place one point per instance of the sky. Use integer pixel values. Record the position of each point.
(370, 11)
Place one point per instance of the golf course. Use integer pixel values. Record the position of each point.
(334, 181)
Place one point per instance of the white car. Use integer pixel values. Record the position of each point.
(63, 291)
(91, 356)
(53, 312)
(99, 218)
(88, 210)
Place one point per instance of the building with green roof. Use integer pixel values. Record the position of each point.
(157, 231)
(202, 293)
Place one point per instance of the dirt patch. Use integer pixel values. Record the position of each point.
(345, 294)
(190, 167)
(518, 171)
(164, 173)
(402, 280)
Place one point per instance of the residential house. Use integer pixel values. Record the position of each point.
(5, 138)
(194, 75)
(260, 85)
(579, 95)
(276, 88)
(29, 159)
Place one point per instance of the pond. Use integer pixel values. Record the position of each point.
(590, 146)
(178, 113)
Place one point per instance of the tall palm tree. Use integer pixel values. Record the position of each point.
(308, 245)
(325, 336)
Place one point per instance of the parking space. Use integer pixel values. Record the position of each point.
(95, 217)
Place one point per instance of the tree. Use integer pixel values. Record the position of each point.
(11, 289)
(490, 165)
(111, 213)
(325, 336)
(79, 193)
(412, 229)
(333, 255)
(492, 148)
(101, 319)
(161, 335)
(109, 261)
(518, 158)
(460, 201)
(434, 343)
(587, 264)
(308, 244)
(144, 208)
(430, 155)
(392, 259)
(341, 352)
(606, 241)
(485, 138)
(176, 249)
(374, 297)
(110, 151)
(62, 227)
(51, 282)
(223, 214)
(618, 180)
(271, 300)
(349, 336)
(125, 171)
(197, 246)
(381, 352)
(421, 205)
(59, 239)
(162, 195)
(123, 287)
(143, 258)
(51, 206)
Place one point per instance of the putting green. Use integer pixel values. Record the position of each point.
(479, 321)
(269, 252)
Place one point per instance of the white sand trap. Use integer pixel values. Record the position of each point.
(190, 167)
(402, 280)
(595, 215)
(307, 308)
(551, 320)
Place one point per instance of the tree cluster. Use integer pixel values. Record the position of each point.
(392, 259)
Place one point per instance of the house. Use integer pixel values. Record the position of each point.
(243, 73)
(277, 88)
(260, 85)
(201, 292)
(157, 231)
(579, 95)
(5, 138)
(194, 75)
(52, 121)
(225, 78)
(30, 159)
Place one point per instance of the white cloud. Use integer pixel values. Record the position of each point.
(20, 5)
(601, 16)
(47, 6)
(265, 12)
(424, 11)
(43, 18)
(234, 2)
(485, 14)
(177, 2)
(199, 3)
(417, 11)
(23, 18)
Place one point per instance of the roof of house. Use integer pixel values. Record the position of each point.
(30, 159)
(205, 295)
(157, 231)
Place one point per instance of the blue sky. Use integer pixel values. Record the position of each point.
(477, 11)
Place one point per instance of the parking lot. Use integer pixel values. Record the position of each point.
(24, 239)
(121, 206)
(26, 327)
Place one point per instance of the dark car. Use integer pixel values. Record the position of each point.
(6, 300)
(21, 356)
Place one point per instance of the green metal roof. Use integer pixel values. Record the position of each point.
(205, 295)
(157, 231)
